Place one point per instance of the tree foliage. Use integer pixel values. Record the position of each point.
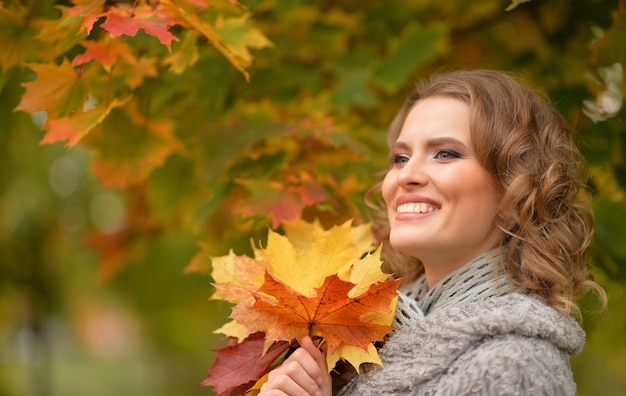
(209, 120)
(160, 93)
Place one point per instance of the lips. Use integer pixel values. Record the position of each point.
(415, 207)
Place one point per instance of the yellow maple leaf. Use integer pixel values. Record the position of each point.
(353, 355)
(236, 276)
(234, 329)
(304, 265)
(366, 272)
(300, 233)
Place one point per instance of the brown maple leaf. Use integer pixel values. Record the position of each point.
(284, 315)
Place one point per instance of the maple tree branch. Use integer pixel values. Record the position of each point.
(107, 98)
(133, 6)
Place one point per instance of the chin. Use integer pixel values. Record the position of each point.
(405, 244)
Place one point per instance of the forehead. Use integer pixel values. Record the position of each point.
(437, 116)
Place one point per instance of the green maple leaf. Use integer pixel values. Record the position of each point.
(417, 46)
(239, 36)
(185, 56)
(610, 48)
(232, 37)
(18, 37)
(130, 146)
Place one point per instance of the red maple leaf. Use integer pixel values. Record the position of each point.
(124, 22)
(271, 197)
(288, 208)
(238, 367)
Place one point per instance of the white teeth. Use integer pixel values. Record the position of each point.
(415, 208)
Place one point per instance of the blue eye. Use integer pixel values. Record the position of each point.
(447, 154)
(399, 159)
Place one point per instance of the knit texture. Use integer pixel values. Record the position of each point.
(507, 343)
(477, 280)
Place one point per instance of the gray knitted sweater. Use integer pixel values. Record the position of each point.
(510, 344)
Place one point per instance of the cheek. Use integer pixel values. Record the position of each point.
(471, 189)
(483, 197)
(387, 189)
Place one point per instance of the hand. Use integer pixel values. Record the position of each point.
(303, 373)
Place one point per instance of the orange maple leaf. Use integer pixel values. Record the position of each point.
(74, 128)
(58, 89)
(104, 52)
(285, 315)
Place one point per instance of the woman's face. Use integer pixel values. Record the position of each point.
(441, 202)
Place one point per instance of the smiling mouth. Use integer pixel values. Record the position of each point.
(416, 208)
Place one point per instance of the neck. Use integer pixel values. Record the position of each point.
(441, 264)
(476, 280)
(437, 270)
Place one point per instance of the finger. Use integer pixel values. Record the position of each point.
(291, 377)
(316, 354)
(280, 382)
(312, 378)
(271, 392)
(320, 371)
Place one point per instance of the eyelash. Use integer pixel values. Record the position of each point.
(398, 159)
(443, 154)
(448, 152)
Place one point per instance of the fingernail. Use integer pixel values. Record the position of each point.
(318, 393)
(320, 380)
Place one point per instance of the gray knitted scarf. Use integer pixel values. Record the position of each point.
(481, 278)
(475, 332)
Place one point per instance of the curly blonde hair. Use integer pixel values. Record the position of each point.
(525, 144)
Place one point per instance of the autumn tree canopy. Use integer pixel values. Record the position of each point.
(203, 123)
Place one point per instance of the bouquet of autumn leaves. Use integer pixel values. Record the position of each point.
(325, 284)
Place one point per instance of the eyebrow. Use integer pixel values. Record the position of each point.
(434, 142)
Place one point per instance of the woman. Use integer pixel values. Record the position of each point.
(487, 227)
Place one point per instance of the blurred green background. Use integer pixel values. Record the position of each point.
(95, 298)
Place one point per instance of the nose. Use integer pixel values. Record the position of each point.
(412, 174)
